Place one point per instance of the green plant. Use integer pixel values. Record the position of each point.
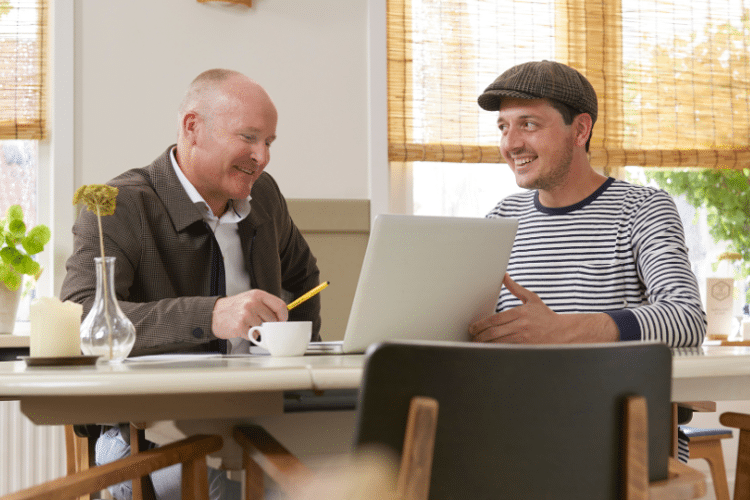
(5, 7)
(17, 247)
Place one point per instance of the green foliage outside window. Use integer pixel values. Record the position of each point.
(725, 195)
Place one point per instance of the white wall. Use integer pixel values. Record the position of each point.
(121, 67)
(135, 58)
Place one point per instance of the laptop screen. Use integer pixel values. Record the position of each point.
(428, 278)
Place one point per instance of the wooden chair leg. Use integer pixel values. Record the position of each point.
(77, 456)
(675, 425)
(254, 479)
(194, 479)
(742, 481)
(76, 451)
(143, 488)
(710, 451)
(742, 478)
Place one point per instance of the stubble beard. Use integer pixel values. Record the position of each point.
(555, 177)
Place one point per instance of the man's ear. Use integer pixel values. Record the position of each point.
(582, 124)
(190, 126)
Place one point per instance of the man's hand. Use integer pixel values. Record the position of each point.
(233, 316)
(534, 323)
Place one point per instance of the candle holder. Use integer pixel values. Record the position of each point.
(106, 331)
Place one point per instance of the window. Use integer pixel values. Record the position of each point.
(18, 174)
(23, 69)
(23, 102)
(672, 78)
(459, 189)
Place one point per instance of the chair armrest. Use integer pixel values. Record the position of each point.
(190, 452)
(736, 420)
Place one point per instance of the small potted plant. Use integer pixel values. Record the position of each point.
(16, 248)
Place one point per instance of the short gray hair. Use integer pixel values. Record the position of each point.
(202, 86)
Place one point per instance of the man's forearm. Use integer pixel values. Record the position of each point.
(581, 328)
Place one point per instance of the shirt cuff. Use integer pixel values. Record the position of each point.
(627, 324)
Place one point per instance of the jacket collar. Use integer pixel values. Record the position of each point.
(181, 209)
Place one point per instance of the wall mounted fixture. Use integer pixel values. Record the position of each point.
(249, 3)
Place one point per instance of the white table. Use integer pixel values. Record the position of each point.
(711, 373)
(171, 387)
(166, 387)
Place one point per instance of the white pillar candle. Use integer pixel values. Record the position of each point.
(55, 328)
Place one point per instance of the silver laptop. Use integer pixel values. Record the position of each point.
(425, 278)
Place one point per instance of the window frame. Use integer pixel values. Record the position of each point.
(57, 173)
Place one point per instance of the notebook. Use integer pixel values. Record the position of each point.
(425, 278)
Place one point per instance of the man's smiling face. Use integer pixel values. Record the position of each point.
(535, 142)
(232, 142)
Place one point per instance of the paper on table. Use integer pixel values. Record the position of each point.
(173, 357)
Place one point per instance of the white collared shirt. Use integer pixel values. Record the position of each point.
(227, 234)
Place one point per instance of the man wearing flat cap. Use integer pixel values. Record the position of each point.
(595, 259)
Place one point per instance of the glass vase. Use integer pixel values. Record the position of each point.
(106, 331)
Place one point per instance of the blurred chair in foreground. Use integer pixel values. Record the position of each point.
(563, 422)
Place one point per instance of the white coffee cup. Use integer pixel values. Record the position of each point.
(283, 338)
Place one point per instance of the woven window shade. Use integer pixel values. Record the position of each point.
(23, 69)
(672, 76)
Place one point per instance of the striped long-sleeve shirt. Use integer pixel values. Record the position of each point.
(620, 251)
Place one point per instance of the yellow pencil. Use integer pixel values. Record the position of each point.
(306, 296)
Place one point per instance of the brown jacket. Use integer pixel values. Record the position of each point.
(163, 254)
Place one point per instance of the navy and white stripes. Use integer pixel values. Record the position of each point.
(620, 251)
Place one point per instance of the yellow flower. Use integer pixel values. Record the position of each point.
(99, 198)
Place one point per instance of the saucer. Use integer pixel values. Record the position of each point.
(59, 360)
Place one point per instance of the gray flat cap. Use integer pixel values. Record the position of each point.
(539, 80)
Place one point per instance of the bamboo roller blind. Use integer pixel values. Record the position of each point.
(672, 76)
(23, 69)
